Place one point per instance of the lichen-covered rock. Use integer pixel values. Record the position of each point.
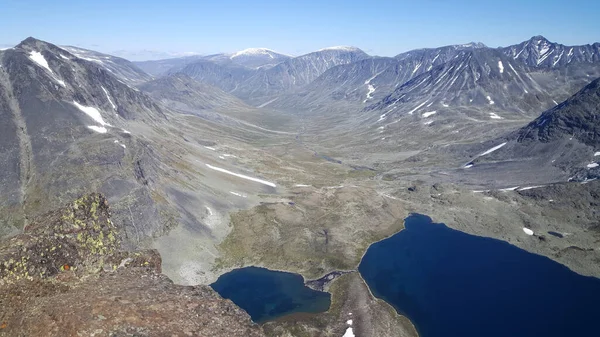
(79, 237)
(65, 276)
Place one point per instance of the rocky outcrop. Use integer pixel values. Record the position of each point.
(65, 276)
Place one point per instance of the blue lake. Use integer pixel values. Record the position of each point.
(449, 283)
(266, 294)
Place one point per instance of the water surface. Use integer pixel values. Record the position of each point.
(266, 294)
(450, 283)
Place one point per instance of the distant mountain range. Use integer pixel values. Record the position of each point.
(507, 82)
(61, 98)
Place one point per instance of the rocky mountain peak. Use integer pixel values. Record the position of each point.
(539, 39)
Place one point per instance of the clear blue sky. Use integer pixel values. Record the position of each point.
(380, 27)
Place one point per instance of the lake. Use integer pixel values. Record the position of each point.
(449, 283)
(266, 294)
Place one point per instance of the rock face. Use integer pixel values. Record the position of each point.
(69, 259)
(538, 52)
(559, 145)
(65, 130)
(576, 117)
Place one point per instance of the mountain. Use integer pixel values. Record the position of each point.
(228, 77)
(181, 92)
(124, 70)
(230, 74)
(249, 58)
(65, 121)
(371, 79)
(490, 83)
(476, 79)
(578, 117)
(563, 143)
(295, 72)
(539, 52)
(257, 57)
(161, 67)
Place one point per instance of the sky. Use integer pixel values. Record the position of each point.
(157, 28)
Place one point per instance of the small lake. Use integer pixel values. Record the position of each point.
(266, 294)
(449, 283)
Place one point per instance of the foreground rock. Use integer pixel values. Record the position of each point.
(66, 277)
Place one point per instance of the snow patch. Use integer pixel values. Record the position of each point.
(492, 149)
(597, 154)
(508, 189)
(495, 116)
(592, 165)
(500, 67)
(544, 55)
(349, 322)
(301, 185)
(416, 68)
(554, 102)
(92, 112)
(415, 109)
(371, 89)
(99, 129)
(427, 114)
(342, 48)
(109, 100)
(39, 59)
(210, 148)
(264, 182)
(253, 51)
(238, 194)
(527, 231)
(489, 100)
(445, 105)
(530, 187)
(267, 103)
(428, 122)
(122, 145)
(88, 59)
(348, 333)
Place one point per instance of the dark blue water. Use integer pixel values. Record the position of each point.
(266, 294)
(454, 284)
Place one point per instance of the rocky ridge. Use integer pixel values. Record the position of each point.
(70, 259)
